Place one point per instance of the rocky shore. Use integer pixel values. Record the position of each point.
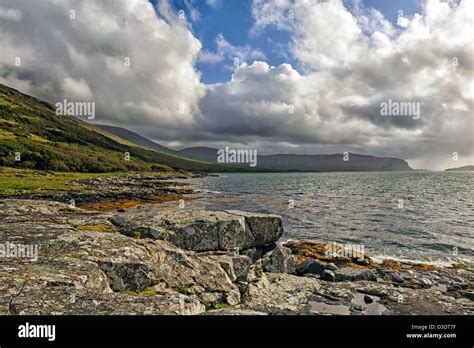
(117, 192)
(200, 262)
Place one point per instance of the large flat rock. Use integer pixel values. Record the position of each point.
(111, 263)
(202, 230)
(83, 253)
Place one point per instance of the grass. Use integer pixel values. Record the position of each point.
(221, 305)
(182, 290)
(47, 141)
(145, 292)
(15, 181)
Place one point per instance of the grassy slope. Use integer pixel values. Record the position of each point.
(66, 144)
(15, 181)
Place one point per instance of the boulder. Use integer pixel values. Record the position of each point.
(236, 266)
(205, 230)
(253, 253)
(328, 275)
(278, 260)
(281, 294)
(108, 263)
(311, 267)
(368, 299)
(75, 254)
(353, 274)
(62, 301)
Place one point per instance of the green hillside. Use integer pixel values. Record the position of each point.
(46, 141)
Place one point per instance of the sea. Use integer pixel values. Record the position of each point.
(409, 216)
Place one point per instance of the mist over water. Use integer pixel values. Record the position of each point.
(426, 216)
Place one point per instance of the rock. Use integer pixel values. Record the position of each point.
(57, 301)
(395, 277)
(98, 263)
(394, 299)
(234, 311)
(207, 231)
(440, 287)
(306, 250)
(253, 253)
(236, 266)
(469, 295)
(241, 266)
(255, 272)
(103, 262)
(266, 229)
(328, 275)
(310, 267)
(131, 229)
(126, 276)
(352, 274)
(407, 275)
(279, 260)
(325, 308)
(368, 299)
(283, 294)
(425, 282)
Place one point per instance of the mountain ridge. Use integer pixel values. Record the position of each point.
(45, 141)
(32, 136)
(468, 168)
(136, 138)
(316, 162)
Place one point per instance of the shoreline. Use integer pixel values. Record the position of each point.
(119, 192)
(131, 260)
(188, 262)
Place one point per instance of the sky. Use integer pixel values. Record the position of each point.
(279, 76)
(218, 20)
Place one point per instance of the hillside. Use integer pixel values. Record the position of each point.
(45, 141)
(207, 153)
(323, 163)
(136, 139)
(461, 169)
(29, 127)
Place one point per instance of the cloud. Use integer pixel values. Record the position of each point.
(349, 60)
(213, 3)
(10, 14)
(136, 62)
(227, 51)
(193, 11)
(350, 63)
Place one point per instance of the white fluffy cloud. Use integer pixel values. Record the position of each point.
(349, 60)
(139, 67)
(225, 50)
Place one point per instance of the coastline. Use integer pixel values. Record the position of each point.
(197, 262)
